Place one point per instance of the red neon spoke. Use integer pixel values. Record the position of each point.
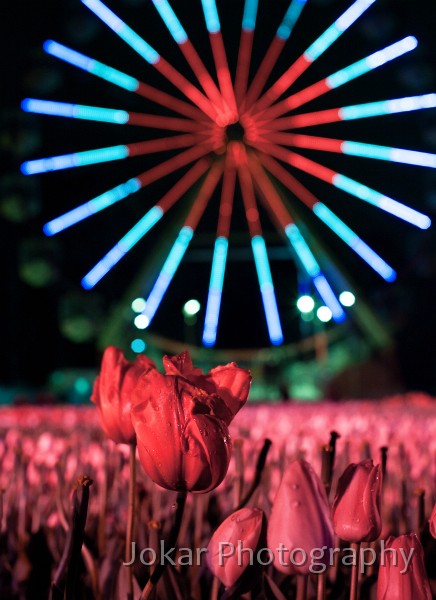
(288, 180)
(320, 117)
(223, 73)
(164, 144)
(204, 195)
(227, 194)
(168, 123)
(307, 141)
(243, 66)
(174, 163)
(267, 65)
(248, 196)
(184, 184)
(186, 87)
(164, 99)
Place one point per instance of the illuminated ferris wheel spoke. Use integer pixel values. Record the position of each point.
(122, 191)
(192, 57)
(213, 26)
(111, 153)
(122, 80)
(260, 253)
(219, 258)
(352, 187)
(274, 51)
(280, 215)
(245, 50)
(329, 218)
(108, 115)
(314, 51)
(353, 112)
(143, 226)
(150, 55)
(357, 69)
(399, 155)
(181, 244)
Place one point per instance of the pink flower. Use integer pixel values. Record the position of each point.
(402, 574)
(113, 391)
(356, 508)
(231, 547)
(181, 421)
(300, 520)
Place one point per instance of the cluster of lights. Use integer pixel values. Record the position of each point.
(203, 145)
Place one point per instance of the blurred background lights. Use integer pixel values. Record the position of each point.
(191, 308)
(305, 304)
(82, 386)
(142, 322)
(138, 305)
(138, 346)
(347, 299)
(324, 314)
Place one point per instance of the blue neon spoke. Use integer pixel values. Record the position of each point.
(122, 247)
(250, 15)
(354, 241)
(388, 107)
(76, 159)
(211, 16)
(171, 20)
(400, 155)
(313, 269)
(291, 17)
(215, 291)
(267, 290)
(75, 111)
(167, 273)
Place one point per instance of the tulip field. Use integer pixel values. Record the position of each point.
(58, 465)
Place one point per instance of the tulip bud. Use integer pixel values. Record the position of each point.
(356, 508)
(182, 427)
(432, 522)
(232, 550)
(402, 574)
(113, 391)
(300, 522)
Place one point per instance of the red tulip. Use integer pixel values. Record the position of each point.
(300, 522)
(356, 508)
(232, 550)
(181, 421)
(402, 574)
(113, 391)
(432, 522)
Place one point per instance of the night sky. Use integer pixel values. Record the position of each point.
(41, 291)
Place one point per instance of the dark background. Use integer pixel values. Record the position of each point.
(41, 289)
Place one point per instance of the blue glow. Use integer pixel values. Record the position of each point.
(409, 157)
(371, 62)
(211, 16)
(76, 159)
(328, 296)
(250, 15)
(75, 111)
(290, 18)
(138, 346)
(171, 20)
(92, 206)
(91, 66)
(123, 31)
(384, 202)
(167, 273)
(303, 251)
(215, 291)
(122, 248)
(387, 107)
(354, 241)
(341, 24)
(267, 290)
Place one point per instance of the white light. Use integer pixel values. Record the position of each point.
(191, 308)
(324, 314)
(138, 305)
(305, 304)
(347, 299)
(142, 322)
